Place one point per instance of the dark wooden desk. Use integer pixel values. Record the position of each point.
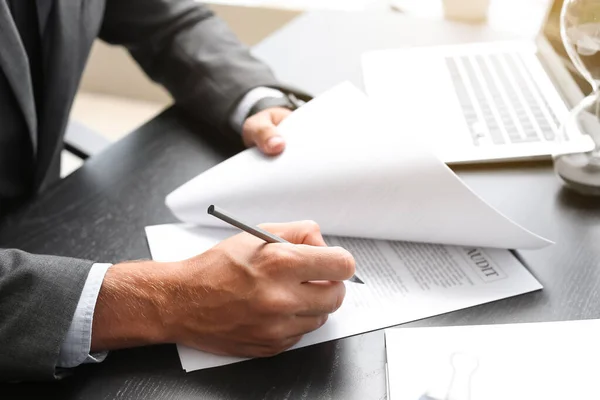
(100, 211)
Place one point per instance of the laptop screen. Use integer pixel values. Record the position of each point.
(551, 31)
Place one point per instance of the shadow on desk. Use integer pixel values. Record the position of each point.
(511, 166)
(570, 199)
(155, 373)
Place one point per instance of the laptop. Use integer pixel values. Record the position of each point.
(483, 102)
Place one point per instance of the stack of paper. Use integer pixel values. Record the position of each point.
(424, 243)
(550, 361)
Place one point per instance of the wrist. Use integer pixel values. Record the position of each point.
(132, 306)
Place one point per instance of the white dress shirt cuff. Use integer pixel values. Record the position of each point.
(75, 350)
(248, 101)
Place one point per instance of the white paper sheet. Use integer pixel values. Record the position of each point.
(403, 282)
(346, 169)
(550, 361)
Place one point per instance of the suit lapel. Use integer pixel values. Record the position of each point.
(63, 63)
(14, 64)
(43, 10)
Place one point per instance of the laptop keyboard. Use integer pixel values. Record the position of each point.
(500, 101)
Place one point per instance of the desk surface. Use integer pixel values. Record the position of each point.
(100, 211)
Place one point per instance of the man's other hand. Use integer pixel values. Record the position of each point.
(260, 130)
(243, 297)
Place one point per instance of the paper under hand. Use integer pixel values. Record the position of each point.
(404, 282)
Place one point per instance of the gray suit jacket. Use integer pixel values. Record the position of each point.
(178, 43)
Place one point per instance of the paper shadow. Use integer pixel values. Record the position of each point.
(569, 198)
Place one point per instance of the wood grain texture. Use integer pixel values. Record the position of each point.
(100, 211)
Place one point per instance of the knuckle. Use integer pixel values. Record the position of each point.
(312, 226)
(277, 259)
(278, 303)
(274, 334)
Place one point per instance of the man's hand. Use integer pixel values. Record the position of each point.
(243, 297)
(260, 130)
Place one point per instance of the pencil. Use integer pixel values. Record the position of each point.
(256, 231)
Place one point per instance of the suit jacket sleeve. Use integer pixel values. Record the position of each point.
(183, 46)
(38, 297)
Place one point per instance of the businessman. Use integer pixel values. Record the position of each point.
(242, 297)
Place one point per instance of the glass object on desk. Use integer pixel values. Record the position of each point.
(580, 33)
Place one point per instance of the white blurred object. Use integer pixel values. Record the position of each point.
(525, 361)
(466, 10)
(343, 5)
(523, 17)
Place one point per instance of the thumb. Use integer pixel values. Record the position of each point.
(261, 130)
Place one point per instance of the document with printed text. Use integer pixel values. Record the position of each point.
(404, 281)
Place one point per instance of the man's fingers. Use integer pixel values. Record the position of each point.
(301, 263)
(296, 326)
(320, 298)
(278, 114)
(268, 140)
(306, 324)
(320, 263)
(261, 130)
(268, 350)
(299, 232)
